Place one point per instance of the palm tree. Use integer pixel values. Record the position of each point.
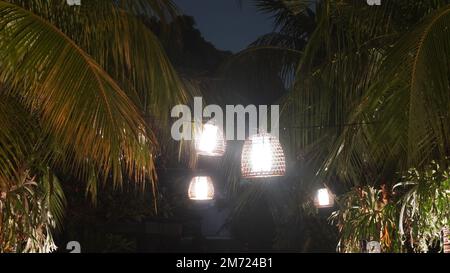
(385, 64)
(84, 91)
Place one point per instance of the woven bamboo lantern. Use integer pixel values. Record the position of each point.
(324, 199)
(201, 188)
(210, 140)
(262, 156)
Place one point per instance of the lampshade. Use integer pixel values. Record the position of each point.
(262, 156)
(201, 188)
(209, 141)
(323, 198)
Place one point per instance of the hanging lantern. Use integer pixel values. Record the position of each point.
(323, 199)
(210, 140)
(201, 188)
(262, 156)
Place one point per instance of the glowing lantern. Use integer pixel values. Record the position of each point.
(201, 188)
(210, 141)
(324, 198)
(262, 156)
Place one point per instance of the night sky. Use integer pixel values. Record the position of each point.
(224, 23)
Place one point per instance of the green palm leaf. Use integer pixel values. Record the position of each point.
(13, 145)
(410, 100)
(77, 102)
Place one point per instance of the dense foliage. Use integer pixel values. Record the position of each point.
(84, 91)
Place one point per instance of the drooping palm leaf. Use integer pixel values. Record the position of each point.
(115, 36)
(411, 101)
(77, 102)
(13, 146)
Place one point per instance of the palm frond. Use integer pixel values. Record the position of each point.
(77, 102)
(411, 101)
(16, 139)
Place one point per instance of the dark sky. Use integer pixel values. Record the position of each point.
(224, 23)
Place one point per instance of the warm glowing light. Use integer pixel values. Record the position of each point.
(201, 188)
(210, 141)
(262, 156)
(324, 199)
